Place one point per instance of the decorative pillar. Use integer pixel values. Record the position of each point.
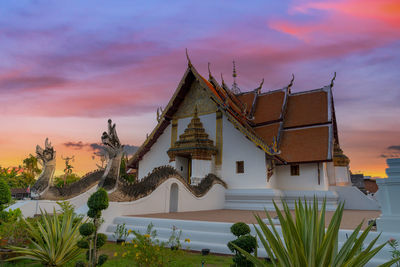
(389, 198)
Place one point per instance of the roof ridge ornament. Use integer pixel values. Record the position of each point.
(258, 89)
(209, 71)
(289, 87)
(333, 79)
(188, 59)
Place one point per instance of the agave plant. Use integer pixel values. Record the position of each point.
(53, 240)
(305, 241)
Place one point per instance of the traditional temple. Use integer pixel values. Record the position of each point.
(251, 140)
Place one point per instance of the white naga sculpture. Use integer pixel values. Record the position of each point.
(47, 158)
(113, 154)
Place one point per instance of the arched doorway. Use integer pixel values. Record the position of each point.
(173, 198)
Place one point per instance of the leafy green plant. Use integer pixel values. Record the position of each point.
(5, 194)
(123, 169)
(395, 249)
(121, 232)
(244, 241)
(92, 240)
(66, 179)
(174, 240)
(306, 242)
(53, 241)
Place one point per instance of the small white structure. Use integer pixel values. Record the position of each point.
(389, 198)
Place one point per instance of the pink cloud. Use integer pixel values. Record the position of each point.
(351, 19)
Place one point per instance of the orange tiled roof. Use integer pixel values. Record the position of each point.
(305, 145)
(307, 109)
(247, 99)
(268, 132)
(269, 107)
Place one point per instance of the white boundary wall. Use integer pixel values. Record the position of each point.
(159, 201)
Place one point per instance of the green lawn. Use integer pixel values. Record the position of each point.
(185, 259)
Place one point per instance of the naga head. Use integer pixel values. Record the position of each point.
(47, 154)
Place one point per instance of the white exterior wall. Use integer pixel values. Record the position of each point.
(200, 168)
(342, 175)
(236, 147)
(159, 201)
(307, 180)
(331, 173)
(157, 156)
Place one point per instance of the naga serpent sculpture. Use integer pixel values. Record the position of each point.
(113, 154)
(47, 158)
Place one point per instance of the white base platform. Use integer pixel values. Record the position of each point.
(260, 199)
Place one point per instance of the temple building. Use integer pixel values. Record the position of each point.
(251, 140)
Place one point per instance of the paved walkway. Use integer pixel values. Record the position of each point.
(351, 218)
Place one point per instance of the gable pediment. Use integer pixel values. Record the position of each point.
(196, 96)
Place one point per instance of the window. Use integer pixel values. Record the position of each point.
(294, 170)
(239, 166)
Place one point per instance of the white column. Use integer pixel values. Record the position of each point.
(389, 197)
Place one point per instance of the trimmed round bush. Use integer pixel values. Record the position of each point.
(94, 213)
(239, 229)
(5, 193)
(83, 244)
(98, 200)
(87, 229)
(102, 259)
(246, 242)
(101, 240)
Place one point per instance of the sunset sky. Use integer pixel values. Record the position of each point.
(68, 66)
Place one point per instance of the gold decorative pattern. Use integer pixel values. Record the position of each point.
(218, 138)
(194, 142)
(339, 159)
(197, 96)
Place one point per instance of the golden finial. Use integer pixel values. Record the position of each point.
(195, 111)
(333, 79)
(188, 59)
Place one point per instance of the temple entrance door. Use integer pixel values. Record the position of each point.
(184, 166)
(173, 198)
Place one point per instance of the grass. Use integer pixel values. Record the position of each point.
(185, 259)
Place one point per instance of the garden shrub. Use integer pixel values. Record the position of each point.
(244, 241)
(5, 194)
(92, 240)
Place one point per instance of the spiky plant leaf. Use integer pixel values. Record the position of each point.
(54, 242)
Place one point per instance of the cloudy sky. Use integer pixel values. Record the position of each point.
(68, 66)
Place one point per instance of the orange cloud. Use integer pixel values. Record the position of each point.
(366, 19)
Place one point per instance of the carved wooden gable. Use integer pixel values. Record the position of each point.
(196, 95)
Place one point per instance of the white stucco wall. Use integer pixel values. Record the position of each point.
(31, 207)
(330, 168)
(157, 156)
(342, 175)
(307, 180)
(236, 147)
(200, 168)
(159, 201)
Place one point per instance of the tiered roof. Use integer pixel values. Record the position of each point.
(303, 124)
